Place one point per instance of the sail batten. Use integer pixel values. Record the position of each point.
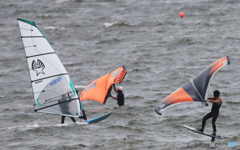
(49, 77)
(203, 100)
(32, 36)
(41, 54)
(53, 89)
(195, 90)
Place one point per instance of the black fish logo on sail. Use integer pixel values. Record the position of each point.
(38, 66)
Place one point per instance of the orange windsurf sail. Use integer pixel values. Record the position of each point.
(100, 89)
(195, 90)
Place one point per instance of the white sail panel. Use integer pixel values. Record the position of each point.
(36, 46)
(27, 29)
(39, 85)
(45, 66)
(57, 87)
(58, 91)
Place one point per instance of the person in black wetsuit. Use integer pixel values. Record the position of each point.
(64, 108)
(120, 95)
(217, 102)
(63, 118)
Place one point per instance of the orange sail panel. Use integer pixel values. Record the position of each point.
(100, 89)
(195, 90)
(180, 95)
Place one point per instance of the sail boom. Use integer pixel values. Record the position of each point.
(58, 103)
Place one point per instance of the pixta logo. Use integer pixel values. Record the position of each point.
(213, 144)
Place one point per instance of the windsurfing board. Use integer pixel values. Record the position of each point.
(196, 131)
(94, 120)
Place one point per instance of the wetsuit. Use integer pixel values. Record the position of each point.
(120, 98)
(214, 113)
(63, 118)
(64, 108)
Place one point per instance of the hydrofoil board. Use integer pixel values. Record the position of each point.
(199, 132)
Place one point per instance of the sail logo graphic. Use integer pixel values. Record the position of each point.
(38, 66)
(55, 81)
(222, 62)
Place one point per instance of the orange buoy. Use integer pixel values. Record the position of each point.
(181, 14)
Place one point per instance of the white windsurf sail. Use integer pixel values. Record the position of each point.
(53, 89)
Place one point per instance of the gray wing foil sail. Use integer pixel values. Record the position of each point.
(195, 90)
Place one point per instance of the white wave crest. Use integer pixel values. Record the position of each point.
(117, 23)
(79, 86)
(62, 1)
(54, 28)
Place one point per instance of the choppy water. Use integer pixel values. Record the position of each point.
(161, 52)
